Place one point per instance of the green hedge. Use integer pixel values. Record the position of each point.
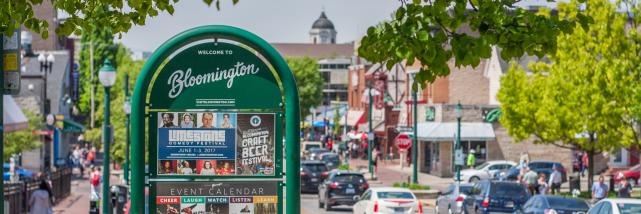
(411, 186)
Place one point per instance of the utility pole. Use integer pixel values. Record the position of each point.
(370, 135)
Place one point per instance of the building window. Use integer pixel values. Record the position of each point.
(479, 147)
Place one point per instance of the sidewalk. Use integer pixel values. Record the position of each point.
(78, 200)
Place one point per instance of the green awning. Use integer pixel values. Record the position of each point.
(72, 127)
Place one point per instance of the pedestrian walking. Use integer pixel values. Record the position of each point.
(524, 159)
(471, 159)
(599, 190)
(531, 180)
(375, 154)
(585, 160)
(41, 200)
(95, 179)
(542, 184)
(624, 188)
(556, 178)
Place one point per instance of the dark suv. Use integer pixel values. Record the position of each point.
(312, 173)
(332, 160)
(341, 188)
(545, 167)
(495, 196)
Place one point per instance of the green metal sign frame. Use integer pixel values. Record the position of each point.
(144, 116)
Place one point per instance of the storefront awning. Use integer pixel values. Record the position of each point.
(71, 126)
(432, 131)
(379, 127)
(14, 118)
(354, 117)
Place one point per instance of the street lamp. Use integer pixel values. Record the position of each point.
(370, 136)
(415, 127)
(459, 115)
(107, 76)
(46, 66)
(126, 106)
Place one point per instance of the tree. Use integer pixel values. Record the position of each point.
(309, 82)
(585, 98)
(86, 14)
(23, 140)
(429, 31)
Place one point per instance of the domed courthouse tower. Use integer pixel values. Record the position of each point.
(323, 31)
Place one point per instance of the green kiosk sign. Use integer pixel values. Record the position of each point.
(210, 103)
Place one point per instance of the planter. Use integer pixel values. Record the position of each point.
(426, 194)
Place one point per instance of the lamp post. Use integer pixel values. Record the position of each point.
(107, 76)
(127, 109)
(415, 138)
(46, 66)
(459, 115)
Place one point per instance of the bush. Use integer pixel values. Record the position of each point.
(343, 167)
(411, 186)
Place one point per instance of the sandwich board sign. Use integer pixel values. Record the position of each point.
(211, 102)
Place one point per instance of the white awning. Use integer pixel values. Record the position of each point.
(353, 117)
(13, 117)
(432, 131)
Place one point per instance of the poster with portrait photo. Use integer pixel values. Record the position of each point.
(186, 167)
(167, 167)
(217, 205)
(206, 167)
(225, 167)
(255, 144)
(187, 120)
(206, 120)
(226, 120)
(167, 120)
(241, 205)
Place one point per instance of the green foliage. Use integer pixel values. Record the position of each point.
(411, 186)
(23, 140)
(337, 121)
(309, 82)
(344, 167)
(590, 88)
(86, 15)
(428, 31)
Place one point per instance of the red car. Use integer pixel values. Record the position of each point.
(632, 175)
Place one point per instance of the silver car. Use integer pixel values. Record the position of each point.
(451, 200)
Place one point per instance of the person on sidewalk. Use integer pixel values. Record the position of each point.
(471, 159)
(624, 188)
(556, 178)
(599, 190)
(585, 160)
(375, 154)
(41, 200)
(531, 180)
(95, 179)
(542, 184)
(524, 159)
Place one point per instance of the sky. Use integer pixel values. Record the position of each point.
(274, 20)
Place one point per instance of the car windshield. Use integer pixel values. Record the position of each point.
(466, 189)
(317, 150)
(311, 146)
(349, 179)
(395, 195)
(628, 208)
(479, 167)
(508, 189)
(330, 157)
(314, 167)
(567, 203)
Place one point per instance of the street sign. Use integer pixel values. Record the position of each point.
(11, 62)
(50, 119)
(213, 102)
(403, 141)
(370, 136)
(459, 159)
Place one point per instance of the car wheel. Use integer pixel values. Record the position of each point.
(474, 179)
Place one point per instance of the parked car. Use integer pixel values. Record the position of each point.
(305, 146)
(314, 153)
(341, 188)
(23, 174)
(545, 204)
(332, 160)
(616, 206)
(544, 167)
(451, 200)
(486, 170)
(387, 200)
(632, 175)
(312, 173)
(489, 196)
